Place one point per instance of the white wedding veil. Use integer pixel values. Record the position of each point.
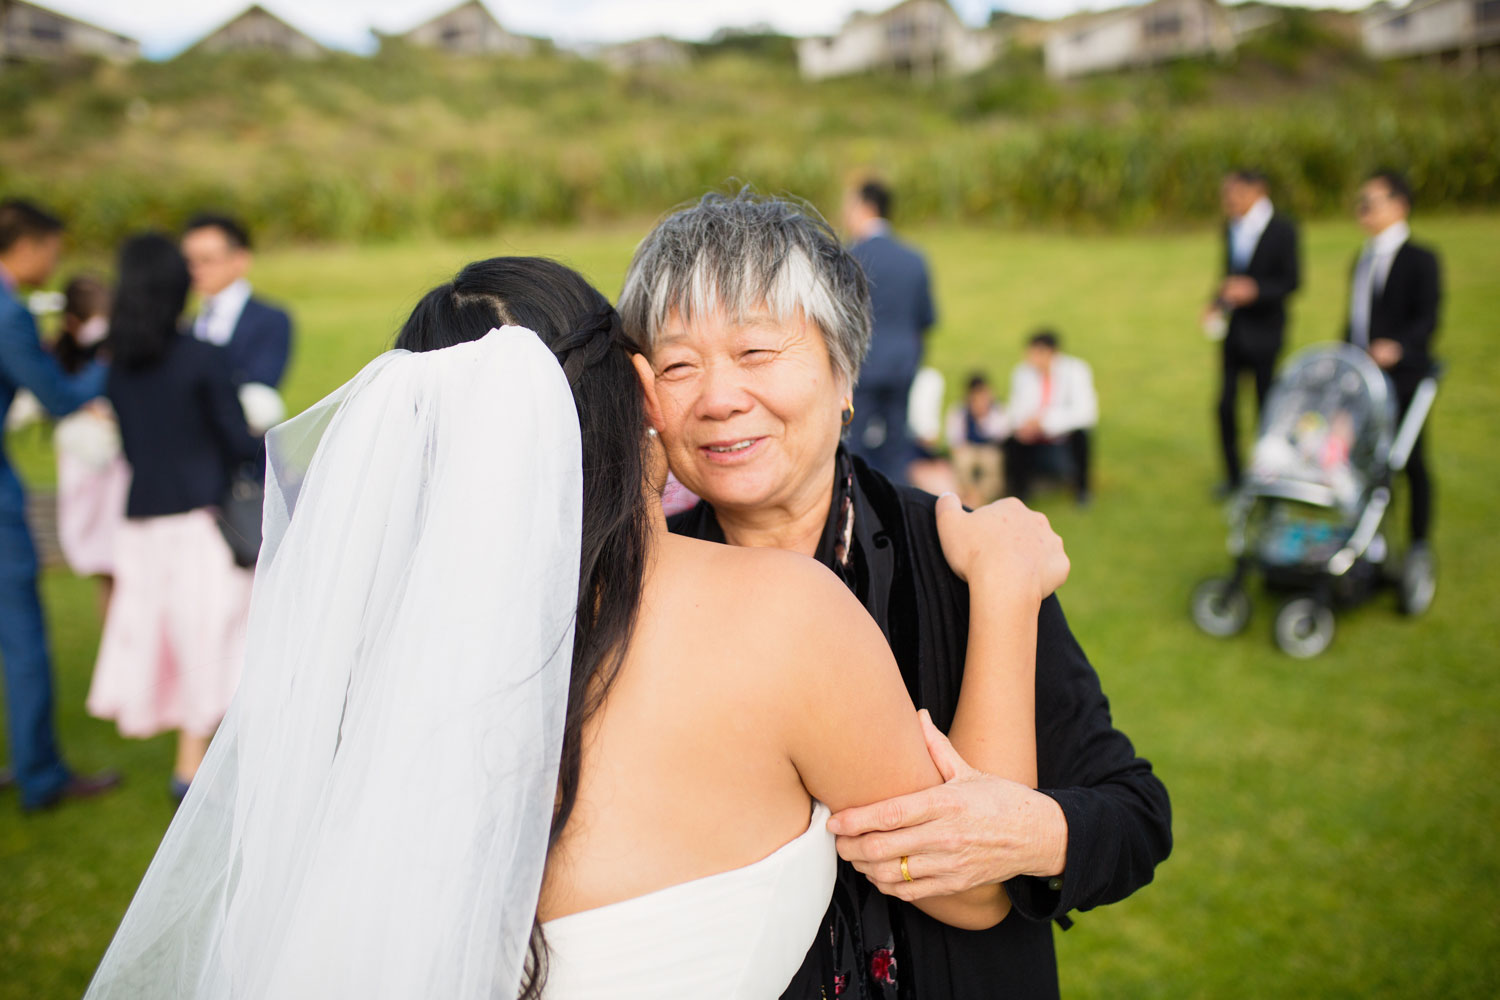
(372, 818)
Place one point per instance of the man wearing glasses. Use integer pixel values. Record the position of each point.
(1393, 314)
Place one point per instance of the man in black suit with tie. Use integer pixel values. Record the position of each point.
(1393, 313)
(257, 335)
(1260, 271)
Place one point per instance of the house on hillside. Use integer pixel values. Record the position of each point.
(31, 32)
(1466, 32)
(916, 37)
(1127, 37)
(1253, 16)
(656, 51)
(257, 29)
(468, 29)
(1017, 31)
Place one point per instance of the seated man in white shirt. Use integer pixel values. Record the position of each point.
(1053, 408)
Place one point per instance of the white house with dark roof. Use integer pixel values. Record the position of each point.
(916, 37)
(257, 29)
(1463, 31)
(30, 31)
(468, 29)
(1127, 37)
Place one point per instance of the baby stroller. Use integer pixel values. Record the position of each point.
(1310, 513)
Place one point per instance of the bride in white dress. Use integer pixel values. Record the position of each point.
(500, 734)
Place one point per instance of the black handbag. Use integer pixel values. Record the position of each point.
(240, 514)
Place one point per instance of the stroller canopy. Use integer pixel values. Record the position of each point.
(1326, 430)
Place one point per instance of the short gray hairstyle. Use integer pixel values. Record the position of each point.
(744, 252)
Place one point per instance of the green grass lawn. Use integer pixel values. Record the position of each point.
(1336, 820)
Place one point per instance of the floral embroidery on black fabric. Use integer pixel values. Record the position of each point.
(883, 967)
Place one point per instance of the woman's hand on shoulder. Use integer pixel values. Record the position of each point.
(1003, 543)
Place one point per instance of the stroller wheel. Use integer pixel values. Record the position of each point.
(1304, 627)
(1418, 582)
(1220, 607)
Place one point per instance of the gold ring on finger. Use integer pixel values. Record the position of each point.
(904, 873)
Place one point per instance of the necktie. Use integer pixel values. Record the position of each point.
(1361, 297)
(205, 316)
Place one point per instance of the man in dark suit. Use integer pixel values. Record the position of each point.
(30, 240)
(257, 335)
(1394, 299)
(901, 306)
(1260, 271)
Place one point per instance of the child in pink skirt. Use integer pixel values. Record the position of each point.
(93, 477)
(174, 636)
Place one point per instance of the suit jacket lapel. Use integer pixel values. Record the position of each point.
(1392, 276)
(1260, 245)
(239, 323)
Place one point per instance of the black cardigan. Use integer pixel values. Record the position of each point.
(182, 428)
(1119, 817)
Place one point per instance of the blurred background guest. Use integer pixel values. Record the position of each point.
(1052, 408)
(977, 427)
(902, 310)
(258, 339)
(929, 468)
(1261, 270)
(93, 477)
(257, 335)
(30, 242)
(1394, 298)
(174, 637)
(84, 322)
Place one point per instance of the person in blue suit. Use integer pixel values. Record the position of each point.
(30, 241)
(257, 335)
(902, 310)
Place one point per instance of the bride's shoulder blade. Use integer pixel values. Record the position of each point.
(788, 599)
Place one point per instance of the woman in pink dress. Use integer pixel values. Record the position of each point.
(93, 477)
(174, 636)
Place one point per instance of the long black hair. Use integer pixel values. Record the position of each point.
(149, 297)
(583, 330)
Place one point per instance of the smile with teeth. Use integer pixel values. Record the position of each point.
(729, 449)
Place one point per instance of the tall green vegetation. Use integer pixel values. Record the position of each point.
(406, 142)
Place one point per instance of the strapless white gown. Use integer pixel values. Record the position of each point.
(737, 935)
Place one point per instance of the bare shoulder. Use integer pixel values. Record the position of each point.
(785, 587)
(792, 624)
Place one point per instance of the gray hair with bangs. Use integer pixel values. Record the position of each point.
(743, 253)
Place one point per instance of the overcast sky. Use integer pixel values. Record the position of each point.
(166, 26)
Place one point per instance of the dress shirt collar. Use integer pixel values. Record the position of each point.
(877, 227)
(220, 314)
(1258, 217)
(1389, 239)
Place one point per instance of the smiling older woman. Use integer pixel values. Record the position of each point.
(755, 321)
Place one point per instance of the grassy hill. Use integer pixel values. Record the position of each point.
(410, 142)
